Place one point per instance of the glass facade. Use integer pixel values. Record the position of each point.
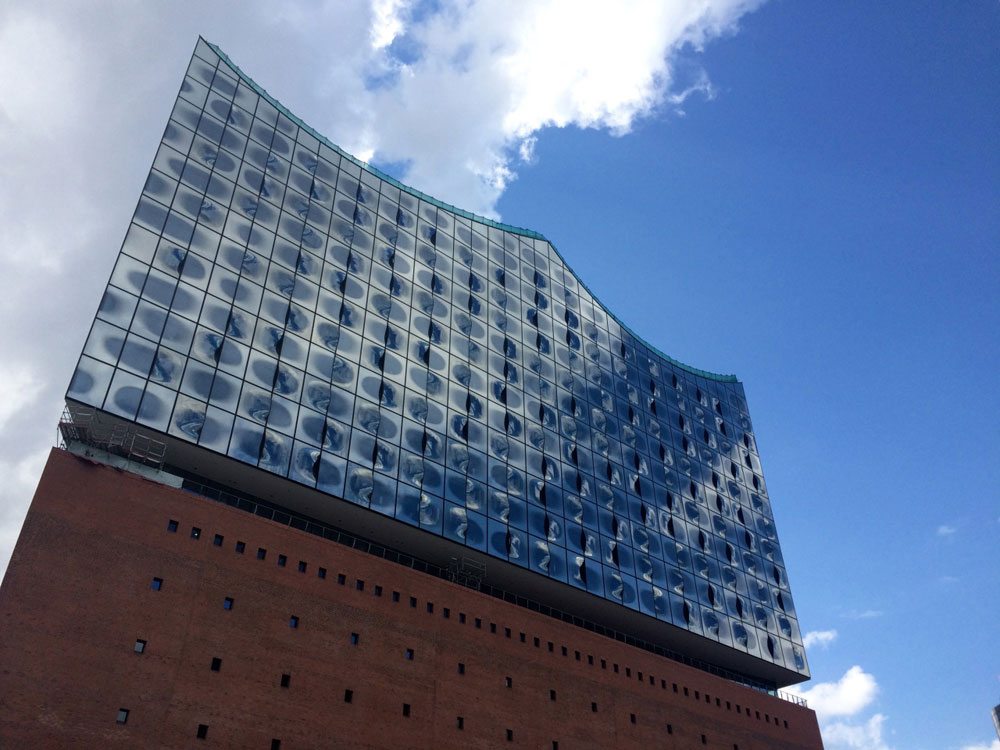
(278, 302)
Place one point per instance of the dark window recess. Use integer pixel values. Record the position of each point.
(341, 578)
(321, 573)
(261, 553)
(555, 745)
(675, 687)
(355, 638)
(510, 735)
(686, 692)
(302, 566)
(604, 664)
(478, 623)
(461, 617)
(157, 584)
(171, 525)
(409, 654)
(293, 621)
(430, 606)
(461, 668)
(704, 740)
(663, 684)
(628, 671)
(122, 715)
(631, 717)
(275, 744)
(506, 632)
(593, 707)
(216, 664)
(241, 547)
(406, 709)
(282, 559)
(286, 680)
(227, 603)
(493, 627)
(445, 613)
(378, 591)
(576, 655)
(195, 532)
(697, 696)
(348, 696)
(552, 695)
(564, 651)
(459, 722)
(202, 731)
(395, 596)
(551, 646)
(508, 682)
(359, 585)
(413, 601)
(615, 668)
(140, 646)
(670, 728)
(537, 642)
(218, 540)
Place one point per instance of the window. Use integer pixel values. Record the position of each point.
(685, 692)
(604, 664)
(510, 735)
(275, 744)
(552, 695)
(628, 671)
(631, 717)
(202, 731)
(261, 553)
(321, 573)
(670, 728)
(140, 646)
(157, 584)
(704, 740)
(195, 532)
(615, 668)
(171, 525)
(293, 621)
(378, 591)
(493, 627)
(508, 682)
(564, 651)
(359, 585)
(506, 632)
(406, 709)
(302, 566)
(341, 578)
(354, 639)
(675, 687)
(590, 659)
(445, 613)
(218, 540)
(430, 607)
(460, 722)
(286, 679)
(413, 601)
(593, 707)
(122, 715)
(395, 596)
(576, 655)
(461, 617)
(555, 745)
(282, 559)
(537, 642)
(227, 603)
(409, 654)
(478, 623)
(348, 696)
(216, 664)
(696, 695)
(551, 646)
(461, 668)
(241, 547)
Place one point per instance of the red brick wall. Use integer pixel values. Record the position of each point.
(78, 594)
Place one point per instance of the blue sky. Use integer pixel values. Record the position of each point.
(803, 194)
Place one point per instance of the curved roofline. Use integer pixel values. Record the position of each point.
(459, 211)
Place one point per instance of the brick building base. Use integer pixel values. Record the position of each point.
(380, 655)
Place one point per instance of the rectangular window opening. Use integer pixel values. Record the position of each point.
(321, 573)
(227, 603)
(241, 547)
(461, 668)
(261, 553)
(348, 696)
(172, 525)
(459, 722)
(282, 559)
(409, 654)
(302, 566)
(216, 664)
(195, 532)
(217, 542)
(593, 707)
(359, 585)
(293, 621)
(140, 646)
(122, 715)
(157, 584)
(286, 680)
(354, 639)
(202, 731)
(341, 578)
(406, 709)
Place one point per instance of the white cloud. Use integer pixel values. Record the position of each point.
(845, 697)
(946, 530)
(821, 638)
(864, 614)
(867, 736)
(995, 745)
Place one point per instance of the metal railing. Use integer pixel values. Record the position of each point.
(84, 425)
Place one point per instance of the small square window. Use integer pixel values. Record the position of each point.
(406, 709)
(302, 566)
(171, 525)
(122, 715)
(446, 613)
(478, 623)
(409, 654)
(282, 559)
(195, 532)
(348, 696)
(461, 617)
(555, 745)
(293, 622)
(202, 731)
(341, 579)
(241, 547)
(461, 668)
(140, 646)
(227, 603)
(275, 744)
(286, 680)
(157, 584)
(359, 585)
(413, 601)
(216, 664)
(395, 596)
(354, 639)
(460, 722)
(377, 591)
(218, 540)
(321, 573)
(261, 553)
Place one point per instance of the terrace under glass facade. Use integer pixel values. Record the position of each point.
(278, 302)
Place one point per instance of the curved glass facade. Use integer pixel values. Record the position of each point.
(278, 302)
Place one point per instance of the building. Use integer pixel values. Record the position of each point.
(346, 466)
(995, 714)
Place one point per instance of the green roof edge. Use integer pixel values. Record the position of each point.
(459, 211)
